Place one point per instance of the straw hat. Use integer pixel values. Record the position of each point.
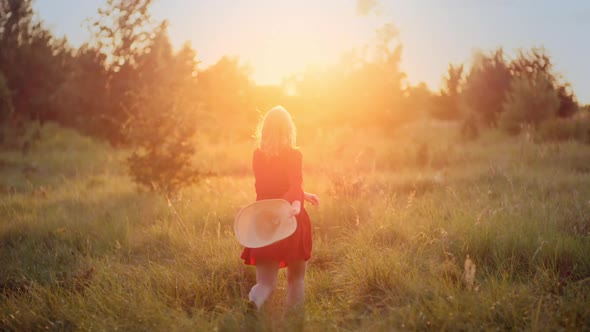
(264, 222)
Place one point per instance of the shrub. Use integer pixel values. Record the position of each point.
(530, 101)
(162, 160)
(560, 129)
(164, 167)
(6, 108)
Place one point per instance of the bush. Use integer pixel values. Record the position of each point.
(560, 129)
(163, 142)
(529, 102)
(6, 108)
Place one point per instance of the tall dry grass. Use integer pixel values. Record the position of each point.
(82, 249)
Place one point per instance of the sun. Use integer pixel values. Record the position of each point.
(278, 39)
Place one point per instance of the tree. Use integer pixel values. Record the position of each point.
(568, 104)
(34, 63)
(530, 101)
(486, 85)
(536, 62)
(163, 117)
(383, 100)
(419, 100)
(446, 105)
(83, 99)
(123, 32)
(225, 91)
(365, 88)
(149, 104)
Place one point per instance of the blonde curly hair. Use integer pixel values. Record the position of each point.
(276, 131)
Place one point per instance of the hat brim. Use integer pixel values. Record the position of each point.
(264, 222)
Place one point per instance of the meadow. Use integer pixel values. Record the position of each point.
(417, 229)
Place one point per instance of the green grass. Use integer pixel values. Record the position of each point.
(82, 248)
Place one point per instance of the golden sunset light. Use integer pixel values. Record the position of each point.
(263, 165)
(278, 39)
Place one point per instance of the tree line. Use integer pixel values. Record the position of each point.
(128, 86)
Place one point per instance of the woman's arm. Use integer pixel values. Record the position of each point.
(313, 199)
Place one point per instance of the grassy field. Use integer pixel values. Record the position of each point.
(81, 248)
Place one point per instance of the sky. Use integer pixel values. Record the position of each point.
(278, 38)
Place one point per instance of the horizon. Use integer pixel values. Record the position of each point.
(242, 29)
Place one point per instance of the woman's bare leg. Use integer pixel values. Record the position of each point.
(266, 281)
(296, 283)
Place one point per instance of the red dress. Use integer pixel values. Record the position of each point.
(281, 177)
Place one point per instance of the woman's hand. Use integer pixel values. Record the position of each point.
(313, 199)
(295, 208)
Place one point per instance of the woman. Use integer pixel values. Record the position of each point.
(277, 166)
